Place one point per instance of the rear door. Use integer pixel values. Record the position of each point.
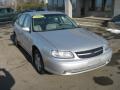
(18, 28)
(26, 36)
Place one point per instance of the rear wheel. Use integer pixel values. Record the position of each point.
(38, 62)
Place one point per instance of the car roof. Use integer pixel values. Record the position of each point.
(34, 13)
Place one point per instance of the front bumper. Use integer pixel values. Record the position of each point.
(76, 66)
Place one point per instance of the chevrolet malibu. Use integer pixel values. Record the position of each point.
(58, 45)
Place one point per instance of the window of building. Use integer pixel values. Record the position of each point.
(61, 6)
(108, 6)
(98, 5)
(56, 5)
(101, 5)
(74, 6)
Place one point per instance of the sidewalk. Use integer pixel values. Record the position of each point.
(96, 22)
(90, 21)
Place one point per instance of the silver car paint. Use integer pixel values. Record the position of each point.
(73, 40)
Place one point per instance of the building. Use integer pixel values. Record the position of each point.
(82, 8)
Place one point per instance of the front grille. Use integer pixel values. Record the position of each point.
(90, 53)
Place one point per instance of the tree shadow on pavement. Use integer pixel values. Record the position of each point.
(6, 80)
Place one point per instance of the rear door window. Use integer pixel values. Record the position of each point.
(27, 21)
(21, 20)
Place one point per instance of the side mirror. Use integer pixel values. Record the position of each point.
(26, 29)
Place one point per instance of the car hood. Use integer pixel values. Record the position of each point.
(73, 39)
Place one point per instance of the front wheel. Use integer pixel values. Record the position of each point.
(38, 62)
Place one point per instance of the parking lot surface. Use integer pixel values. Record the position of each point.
(17, 73)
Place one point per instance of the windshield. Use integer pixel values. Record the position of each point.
(52, 22)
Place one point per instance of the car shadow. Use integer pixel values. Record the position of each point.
(29, 58)
(6, 80)
(26, 55)
(115, 59)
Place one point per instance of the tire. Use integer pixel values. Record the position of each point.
(15, 40)
(38, 61)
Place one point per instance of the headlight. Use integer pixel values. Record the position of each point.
(62, 54)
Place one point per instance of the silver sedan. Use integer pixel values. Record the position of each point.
(58, 45)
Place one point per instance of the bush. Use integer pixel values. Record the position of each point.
(26, 6)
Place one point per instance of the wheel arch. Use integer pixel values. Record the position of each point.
(34, 47)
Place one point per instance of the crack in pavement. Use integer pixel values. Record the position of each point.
(17, 67)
